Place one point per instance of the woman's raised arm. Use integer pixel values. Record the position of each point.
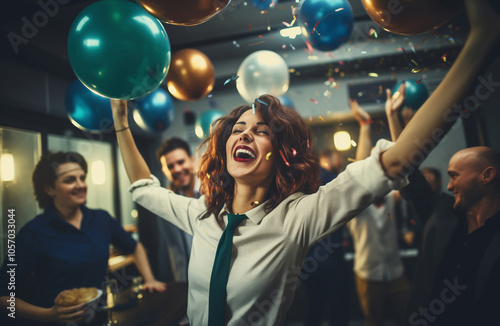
(134, 163)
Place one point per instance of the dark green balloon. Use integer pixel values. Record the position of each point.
(415, 94)
(118, 50)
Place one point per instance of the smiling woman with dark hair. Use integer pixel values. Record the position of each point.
(261, 208)
(67, 246)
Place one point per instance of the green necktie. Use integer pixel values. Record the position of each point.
(220, 272)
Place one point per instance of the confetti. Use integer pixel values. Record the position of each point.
(309, 46)
(250, 26)
(208, 176)
(443, 57)
(261, 36)
(321, 118)
(373, 33)
(390, 216)
(415, 70)
(308, 144)
(256, 43)
(284, 159)
(418, 81)
(261, 102)
(351, 159)
(231, 79)
(294, 152)
(313, 100)
(337, 10)
(236, 44)
(314, 28)
(373, 74)
(422, 42)
(293, 48)
(268, 155)
(286, 24)
(255, 202)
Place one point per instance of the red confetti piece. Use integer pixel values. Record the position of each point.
(256, 43)
(294, 152)
(313, 100)
(422, 42)
(314, 28)
(418, 81)
(260, 36)
(250, 26)
(341, 63)
(435, 33)
(443, 57)
(284, 159)
(309, 46)
(308, 144)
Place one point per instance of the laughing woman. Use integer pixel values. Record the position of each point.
(262, 208)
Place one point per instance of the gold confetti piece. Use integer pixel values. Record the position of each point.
(414, 62)
(373, 74)
(254, 203)
(415, 70)
(390, 216)
(351, 159)
(268, 155)
(322, 119)
(208, 176)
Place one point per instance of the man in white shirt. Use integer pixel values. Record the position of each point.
(378, 269)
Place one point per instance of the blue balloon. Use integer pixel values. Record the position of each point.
(203, 122)
(286, 101)
(87, 110)
(154, 112)
(415, 94)
(264, 4)
(326, 24)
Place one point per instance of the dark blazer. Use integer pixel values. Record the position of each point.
(440, 222)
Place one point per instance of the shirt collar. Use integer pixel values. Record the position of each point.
(51, 216)
(256, 214)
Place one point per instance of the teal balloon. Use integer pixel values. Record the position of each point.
(415, 94)
(155, 112)
(203, 122)
(87, 110)
(118, 50)
(286, 101)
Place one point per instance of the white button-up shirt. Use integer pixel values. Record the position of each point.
(375, 238)
(268, 248)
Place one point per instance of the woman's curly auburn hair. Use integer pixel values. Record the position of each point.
(290, 138)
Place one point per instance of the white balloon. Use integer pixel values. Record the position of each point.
(262, 72)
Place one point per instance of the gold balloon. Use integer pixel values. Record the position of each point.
(191, 75)
(183, 12)
(410, 17)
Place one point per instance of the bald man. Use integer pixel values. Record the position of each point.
(457, 281)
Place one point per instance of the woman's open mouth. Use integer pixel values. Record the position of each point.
(244, 154)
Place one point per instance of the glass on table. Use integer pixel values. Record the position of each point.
(111, 294)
